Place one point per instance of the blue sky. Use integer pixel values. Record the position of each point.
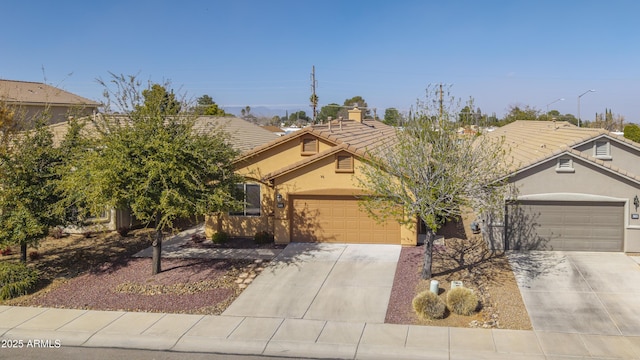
(260, 53)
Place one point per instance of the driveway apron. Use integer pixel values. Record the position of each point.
(339, 282)
(580, 292)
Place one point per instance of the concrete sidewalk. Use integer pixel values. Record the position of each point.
(306, 337)
(297, 337)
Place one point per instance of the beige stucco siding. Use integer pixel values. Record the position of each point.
(317, 178)
(276, 157)
(587, 180)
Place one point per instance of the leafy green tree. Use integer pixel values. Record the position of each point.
(206, 106)
(430, 172)
(299, 116)
(28, 179)
(392, 117)
(518, 113)
(352, 102)
(149, 160)
(328, 111)
(163, 101)
(632, 132)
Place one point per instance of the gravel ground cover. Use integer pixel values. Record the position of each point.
(184, 286)
(99, 273)
(488, 274)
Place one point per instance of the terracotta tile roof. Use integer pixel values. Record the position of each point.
(358, 137)
(24, 92)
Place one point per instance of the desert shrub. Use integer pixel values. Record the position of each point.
(263, 237)
(428, 305)
(462, 301)
(16, 279)
(220, 237)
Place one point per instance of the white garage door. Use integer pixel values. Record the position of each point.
(561, 225)
(338, 219)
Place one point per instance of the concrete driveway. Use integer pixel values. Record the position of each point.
(580, 292)
(339, 282)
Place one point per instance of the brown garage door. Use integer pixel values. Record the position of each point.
(338, 219)
(556, 225)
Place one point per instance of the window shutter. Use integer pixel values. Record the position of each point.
(602, 148)
(309, 145)
(564, 164)
(344, 163)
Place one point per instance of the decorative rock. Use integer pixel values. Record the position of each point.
(258, 261)
(242, 286)
(258, 269)
(239, 281)
(244, 275)
(247, 281)
(251, 266)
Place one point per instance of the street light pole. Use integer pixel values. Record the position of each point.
(579, 96)
(553, 102)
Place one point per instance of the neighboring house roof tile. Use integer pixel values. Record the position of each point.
(25, 92)
(533, 142)
(244, 135)
(274, 129)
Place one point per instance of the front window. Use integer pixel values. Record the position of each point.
(250, 196)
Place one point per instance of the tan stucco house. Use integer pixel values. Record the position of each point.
(33, 98)
(578, 189)
(302, 187)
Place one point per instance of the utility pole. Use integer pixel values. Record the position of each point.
(314, 97)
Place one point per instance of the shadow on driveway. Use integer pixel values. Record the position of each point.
(579, 292)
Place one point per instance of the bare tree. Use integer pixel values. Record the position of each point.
(431, 173)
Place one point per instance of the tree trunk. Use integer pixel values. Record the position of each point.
(157, 249)
(428, 255)
(23, 252)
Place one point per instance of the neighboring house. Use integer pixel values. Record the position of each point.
(302, 187)
(243, 136)
(578, 189)
(32, 99)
